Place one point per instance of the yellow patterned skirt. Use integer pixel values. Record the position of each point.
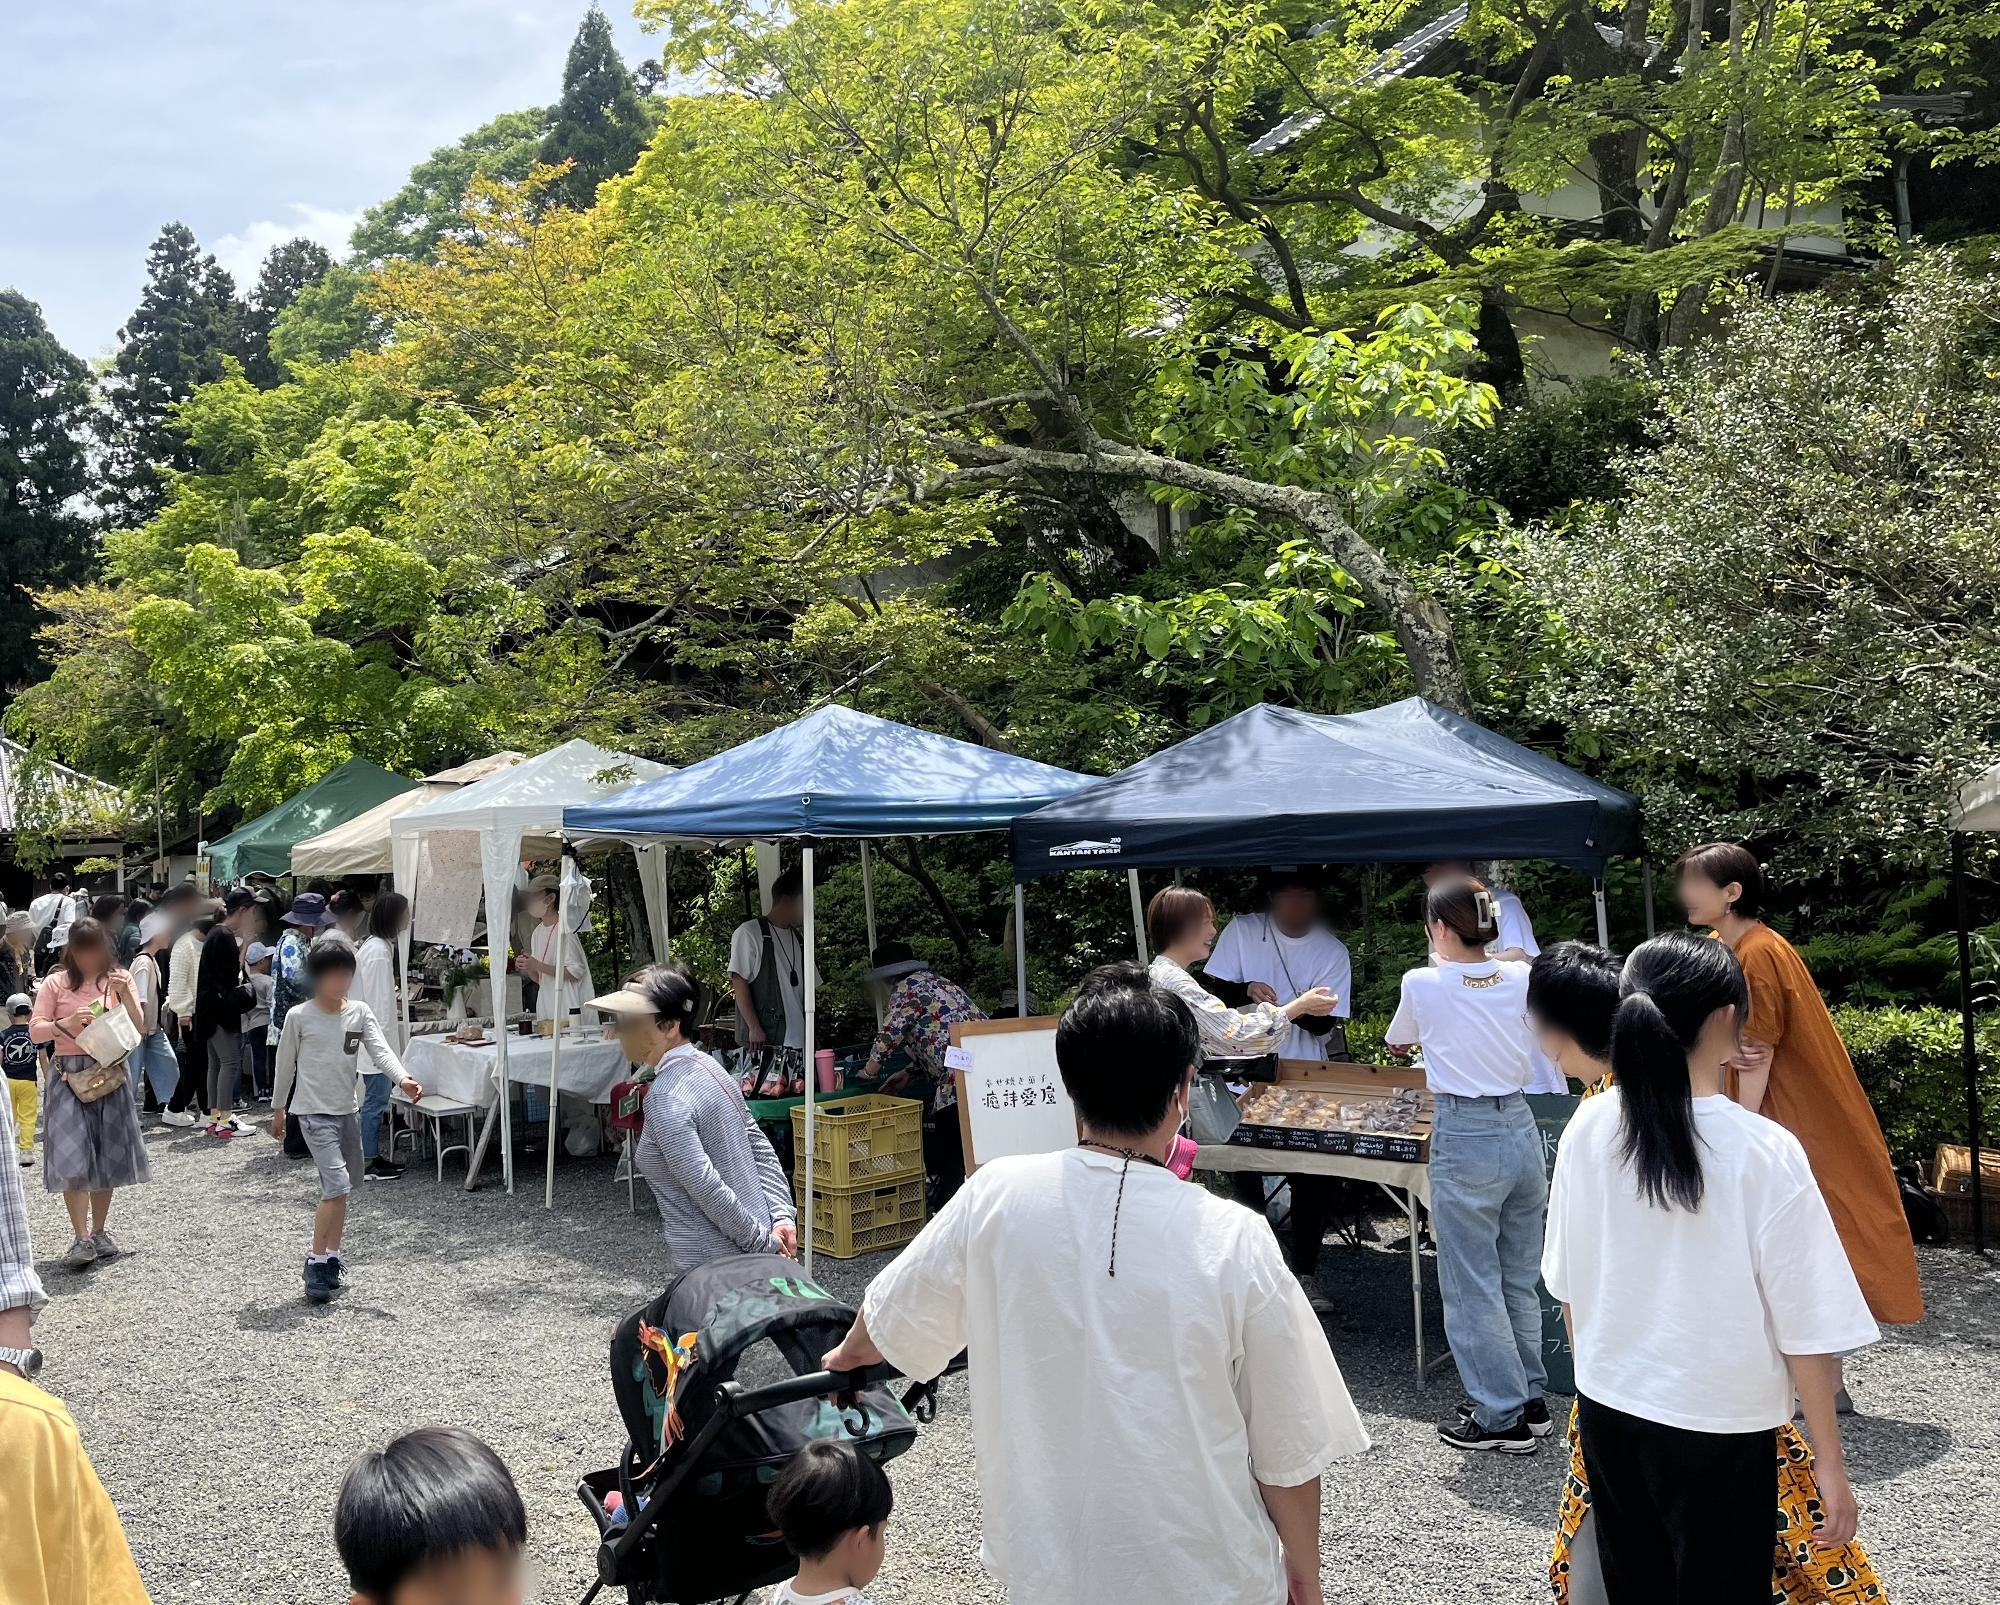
(1800, 1573)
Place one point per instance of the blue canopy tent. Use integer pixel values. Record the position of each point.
(1409, 782)
(835, 774)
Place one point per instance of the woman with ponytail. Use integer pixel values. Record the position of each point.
(1468, 1013)
(1704, 1286)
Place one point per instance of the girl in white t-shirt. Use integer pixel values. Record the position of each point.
(1704, 1286)
(1469, 1014)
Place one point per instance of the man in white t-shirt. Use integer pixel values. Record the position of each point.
(53, 907)
(1153, 1403)
(767, 970)
(1277, 955)
(1516, 941)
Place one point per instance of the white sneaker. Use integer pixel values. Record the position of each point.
(177, 1117)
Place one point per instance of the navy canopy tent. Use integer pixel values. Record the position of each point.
(1409, 782)
(836, 773)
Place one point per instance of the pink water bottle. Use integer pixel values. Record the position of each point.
(829, 1078)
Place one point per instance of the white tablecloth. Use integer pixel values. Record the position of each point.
(590, 1066)
(1412, 1179)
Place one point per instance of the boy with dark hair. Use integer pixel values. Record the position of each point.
(320, 1048)
(832, 1504)
(432, 1519)
(1572, 995)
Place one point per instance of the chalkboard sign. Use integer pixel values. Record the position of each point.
(1552, 1113)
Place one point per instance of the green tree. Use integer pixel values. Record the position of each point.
(431, 207)
(601, 123)
(288, 271)
(1782, 632)
(45, 408)
(185, 326)
(327, 321)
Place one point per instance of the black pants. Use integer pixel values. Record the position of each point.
(1312, 1208)
(944, 1155)
(1682, 1518)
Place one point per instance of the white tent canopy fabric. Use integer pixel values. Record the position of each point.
(449, 853)
(361, 846)
(1977, 807)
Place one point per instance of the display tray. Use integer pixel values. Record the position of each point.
(1300, 1113)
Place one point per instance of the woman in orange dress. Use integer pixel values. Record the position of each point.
(1795, 1069)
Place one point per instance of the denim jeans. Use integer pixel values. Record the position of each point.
(375, 1091)
(155, 1061)
(1488, 1197)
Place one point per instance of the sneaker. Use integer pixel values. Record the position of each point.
(223, 1128)
(1465, 1432)
(319, 1282)
(27, 1160)
(107, 1245)
(380, 1169)
(177, 1117)
(82, 1253)
(1842, 1404)
(337, 1273)
(1534, 1414)
(1315, 1295)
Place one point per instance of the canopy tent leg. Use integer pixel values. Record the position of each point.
(868, 912)
(1646, 865)
(559, 1017)
(811, 984)
(1969, 1045)
(1603, 924)
(1020, 955)
(1138, 915)
(499, 933)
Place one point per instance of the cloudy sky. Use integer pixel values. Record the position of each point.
(251, 121)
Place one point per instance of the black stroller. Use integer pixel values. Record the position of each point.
(719, 1383)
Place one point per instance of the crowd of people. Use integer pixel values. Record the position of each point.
(1721, 1226)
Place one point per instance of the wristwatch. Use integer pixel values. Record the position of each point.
(27, 1361)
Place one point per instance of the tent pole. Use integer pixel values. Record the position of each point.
(868, 910)
(1020, 955)
(812, 1073)
(1138, 915)
(558, 1016)
(1646, 865)
(1603, 925)
(1968, 1042)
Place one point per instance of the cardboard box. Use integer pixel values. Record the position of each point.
(1335, 1084)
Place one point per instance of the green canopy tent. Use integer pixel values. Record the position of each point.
(265, 843)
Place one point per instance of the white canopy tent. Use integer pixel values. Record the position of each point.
(450, 853)
(362, 845)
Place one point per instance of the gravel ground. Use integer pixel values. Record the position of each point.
(221, 1409)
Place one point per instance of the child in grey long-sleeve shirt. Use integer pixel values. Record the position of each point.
(320, 1048)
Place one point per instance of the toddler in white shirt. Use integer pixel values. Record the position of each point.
(832, 1505)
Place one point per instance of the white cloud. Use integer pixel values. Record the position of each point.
(243, 252)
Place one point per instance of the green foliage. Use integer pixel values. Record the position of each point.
(601, 122)
(431, 208)
(181, 336)
(1556, 448)
(45, 408)
(1910, 1061)
(288, 272)
(326, 321)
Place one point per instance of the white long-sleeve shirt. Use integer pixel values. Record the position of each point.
(322, 1050)
(375, 985)
(183, 959)
(564, 948)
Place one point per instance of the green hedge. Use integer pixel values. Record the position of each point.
(1907, 1059)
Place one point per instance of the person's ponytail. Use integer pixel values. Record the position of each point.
(1671, 988)
(1657, 1140)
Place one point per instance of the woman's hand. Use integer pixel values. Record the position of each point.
(413, 1089)
(278, 1124)
(1750, 1057)
(1320, 1000)
(1839, 1517)
(1261, 993)
(786, 1235)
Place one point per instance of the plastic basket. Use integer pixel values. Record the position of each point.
(862, 1142)
(848, 1224)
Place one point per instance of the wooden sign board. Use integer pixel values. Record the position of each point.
(1011, 1099)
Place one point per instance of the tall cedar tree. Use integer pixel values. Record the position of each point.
(601, 123)
(288, 271)
(186, 323)
(44, 539)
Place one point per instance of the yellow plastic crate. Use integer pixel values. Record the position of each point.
(861, 1142)
(861, 1221)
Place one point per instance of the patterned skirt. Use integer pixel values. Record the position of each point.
(87, 1147)
(1800, 1573)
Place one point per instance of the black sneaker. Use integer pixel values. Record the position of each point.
(1464, 1432)
(336, 1273)
(319, 1281)
(379, 1169)
(1534, 1415)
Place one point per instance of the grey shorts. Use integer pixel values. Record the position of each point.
(335, 1144)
